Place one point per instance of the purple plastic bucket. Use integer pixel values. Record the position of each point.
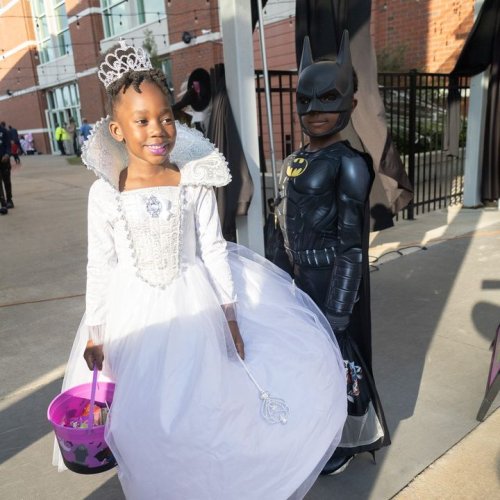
(83, 450)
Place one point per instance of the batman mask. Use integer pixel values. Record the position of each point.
(326, 86)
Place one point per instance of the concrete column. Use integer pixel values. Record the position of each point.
(236, 25)
(475, 134)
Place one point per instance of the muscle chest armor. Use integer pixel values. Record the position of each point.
(308, 206)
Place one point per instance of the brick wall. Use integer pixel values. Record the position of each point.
(92, 98)
(85, 36)
(193, 17)
(16, 69)
(423, 34)
(280, 45)
(23, 110)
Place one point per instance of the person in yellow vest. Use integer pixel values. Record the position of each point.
(59, 137)
(68, 140)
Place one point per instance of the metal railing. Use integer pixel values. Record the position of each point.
(286, 126)
(417, 113)
(416, 107)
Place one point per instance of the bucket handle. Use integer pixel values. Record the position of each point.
(90, 421)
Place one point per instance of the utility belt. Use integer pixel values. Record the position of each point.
(323, 257)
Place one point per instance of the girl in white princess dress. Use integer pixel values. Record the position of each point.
(229, 383)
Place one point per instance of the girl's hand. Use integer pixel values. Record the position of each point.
(93, 355)
(238, 341)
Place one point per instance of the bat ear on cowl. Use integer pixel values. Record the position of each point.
(344, 77)
(344, 54)
(306, 59)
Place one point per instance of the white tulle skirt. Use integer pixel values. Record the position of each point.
(186, 418)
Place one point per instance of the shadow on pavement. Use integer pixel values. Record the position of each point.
(410, 310)
(483, 311)
(26, 455)
(110, 490)
(25, 421)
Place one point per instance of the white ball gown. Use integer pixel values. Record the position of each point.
(188, 419)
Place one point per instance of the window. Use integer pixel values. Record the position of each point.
(63, 97)
(115, 15)
(149, 13)
(51, 29)
(123, 15)
(42, 32)
(62, 29)
(63, 104)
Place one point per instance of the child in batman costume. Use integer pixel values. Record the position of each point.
(323, 214)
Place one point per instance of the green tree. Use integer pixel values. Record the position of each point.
(392, 59)
(151, 48)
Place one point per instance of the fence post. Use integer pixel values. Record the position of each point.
(412, 133)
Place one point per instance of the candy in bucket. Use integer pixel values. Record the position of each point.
(81, 437)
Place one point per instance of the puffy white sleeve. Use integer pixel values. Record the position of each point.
(213, 250)
(101, 259)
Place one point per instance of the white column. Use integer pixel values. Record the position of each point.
(236, 25)
(475, 134)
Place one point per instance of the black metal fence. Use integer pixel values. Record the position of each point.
(417, 114)
(422, 128)
(287, 133)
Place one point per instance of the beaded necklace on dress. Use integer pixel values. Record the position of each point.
(153, 227)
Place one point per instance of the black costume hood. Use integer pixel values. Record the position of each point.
(326, 86)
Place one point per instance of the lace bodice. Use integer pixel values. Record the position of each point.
(152, 223)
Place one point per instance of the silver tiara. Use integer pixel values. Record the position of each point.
(117, 63)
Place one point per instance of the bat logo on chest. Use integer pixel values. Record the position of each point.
(296, 167)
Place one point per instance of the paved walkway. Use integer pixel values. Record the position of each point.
(434, 315)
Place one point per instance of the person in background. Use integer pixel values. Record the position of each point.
(15, 150)
(5, 169)
(14, 136)
(24, 144)
(30, 144)
(68, 142)
(85, 129)
(73, 136)
(59, 137)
